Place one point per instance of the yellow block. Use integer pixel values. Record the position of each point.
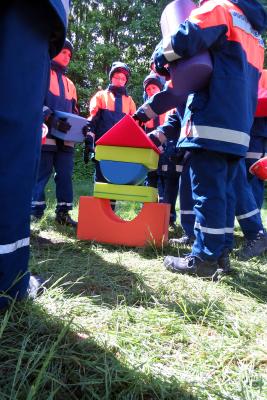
(144, 194)
(147, 157)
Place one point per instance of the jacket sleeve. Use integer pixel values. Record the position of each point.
(160, 103)
(205, 27)
(95, 110)
(171, 128)
(75, 108)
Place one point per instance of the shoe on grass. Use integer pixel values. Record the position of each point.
(192, 265)
(253, 248)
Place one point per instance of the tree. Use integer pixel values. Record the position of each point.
(106, 31)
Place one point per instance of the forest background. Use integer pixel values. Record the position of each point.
(107, 31)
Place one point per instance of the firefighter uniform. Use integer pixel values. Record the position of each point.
(109, 106)
(56, 153)
(216, 126)
(29, 31)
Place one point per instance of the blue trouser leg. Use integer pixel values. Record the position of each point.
(247, 212)
(44, 172)
(187, 213)
(211, 178)
(171, 187)
(257, 150)
(63, 178)
(24, 71)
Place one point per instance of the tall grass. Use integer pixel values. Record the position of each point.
(114, 324)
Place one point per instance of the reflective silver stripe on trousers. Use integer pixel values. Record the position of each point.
(64, 204)
(187, 212)
(217, 134)
(179, 168)
(164, 167)
(11, 247)
(168, 51)
(247, 215)
(257, 156)
(213, 231)
(38, 203)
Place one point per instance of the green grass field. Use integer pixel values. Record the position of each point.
(114, 324)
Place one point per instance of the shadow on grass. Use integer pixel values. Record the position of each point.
(42, 358)
(113, 284)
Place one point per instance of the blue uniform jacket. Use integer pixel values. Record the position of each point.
(220, 117)
(60, 9)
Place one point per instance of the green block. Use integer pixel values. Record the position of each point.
(147, 157)
(144, 194)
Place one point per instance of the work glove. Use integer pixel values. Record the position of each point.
(140, 117)
(60, 124)
(89, 147)
(160, 62)
(156, 141)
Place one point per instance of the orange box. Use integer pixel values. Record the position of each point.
(98, 222)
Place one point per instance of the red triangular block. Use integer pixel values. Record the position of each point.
(127, 133)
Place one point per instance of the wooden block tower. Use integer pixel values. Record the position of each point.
(125, 154)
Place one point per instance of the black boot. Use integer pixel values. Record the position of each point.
(224, 262)
(63, 218)
(192, 265)
(253, 248)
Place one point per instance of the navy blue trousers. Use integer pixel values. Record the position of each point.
(212, 176)
(187, 214)
(62, 162)
(24, 72)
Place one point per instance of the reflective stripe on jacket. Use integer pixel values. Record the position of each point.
(220, 117)
(106, 110)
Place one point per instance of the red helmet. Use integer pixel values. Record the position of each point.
(259, 168)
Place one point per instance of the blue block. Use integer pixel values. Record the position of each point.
(123, 173)
(75, 133)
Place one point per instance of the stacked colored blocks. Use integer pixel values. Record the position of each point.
(125, 155)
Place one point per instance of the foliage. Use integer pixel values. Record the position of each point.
(106, 31)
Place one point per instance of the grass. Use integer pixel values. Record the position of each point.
(114, 324)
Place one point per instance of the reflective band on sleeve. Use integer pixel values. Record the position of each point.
(217, 134)
(256, 156)
(247, 215)
(179, 168)
(164, 167)
(65, 204)
(11, 247)
(168, 51)
(38, 203)
(149, 112)
(187, 212)
(66, 5)
(213, 231)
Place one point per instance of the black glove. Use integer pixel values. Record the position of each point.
(138, 119)
(160, 62)
(89, 148)
(156, 141)
(60, 124)
(86, 129)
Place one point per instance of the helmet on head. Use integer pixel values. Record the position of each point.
(259, 168)
(118, 66)
(153, 79)
(68, 45)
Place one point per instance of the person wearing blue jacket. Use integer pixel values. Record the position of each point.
(31, 32)
(57, 154)
(216, 125)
